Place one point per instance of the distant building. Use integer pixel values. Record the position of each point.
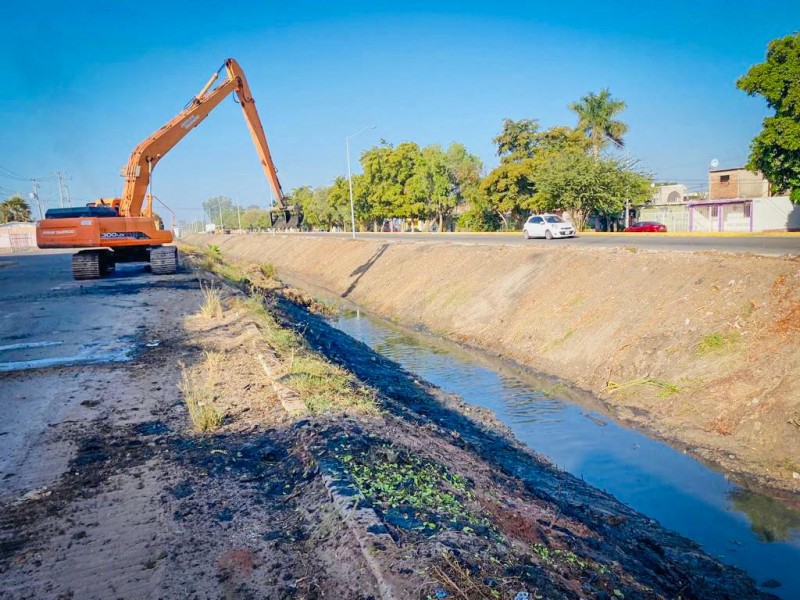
(739, 200)
(726, 184)
(668, 207)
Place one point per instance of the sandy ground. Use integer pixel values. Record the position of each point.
(109, 492)
(700, 349)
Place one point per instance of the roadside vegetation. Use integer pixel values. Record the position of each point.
(321, 385)
(571, 168)
(197, 386)
(665, 388)
(561, 168)
(211, 308)
(776, 150)
(15, 208)
(715, 342)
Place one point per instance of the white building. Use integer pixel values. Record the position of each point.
(771, 213)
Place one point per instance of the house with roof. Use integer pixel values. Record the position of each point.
(741, 200)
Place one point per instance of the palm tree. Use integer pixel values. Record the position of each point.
(14, 209)
(596, 114)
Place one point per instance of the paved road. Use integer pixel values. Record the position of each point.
(57, 333)
(749, 243)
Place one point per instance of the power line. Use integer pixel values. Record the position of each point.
(9, 174)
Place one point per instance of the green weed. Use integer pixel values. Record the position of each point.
(428, 488)
(268, 270)
(213, 253)
(667, 388)
(558, 557)
(324, 386)
(714, 342)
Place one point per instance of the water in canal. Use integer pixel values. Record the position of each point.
(752, 531)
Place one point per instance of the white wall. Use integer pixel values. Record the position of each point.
(24, 236)
(775, 213)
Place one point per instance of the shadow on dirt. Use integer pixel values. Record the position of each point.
(361, 271)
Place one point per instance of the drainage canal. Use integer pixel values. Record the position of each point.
(752, 531)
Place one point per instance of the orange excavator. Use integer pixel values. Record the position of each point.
(126, 229)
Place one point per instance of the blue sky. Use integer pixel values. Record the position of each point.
(86, 81)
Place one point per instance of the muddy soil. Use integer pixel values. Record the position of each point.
(419, 496)
(701, 349)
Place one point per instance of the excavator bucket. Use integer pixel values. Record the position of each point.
(286, 218)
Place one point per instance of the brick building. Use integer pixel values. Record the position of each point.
(725, 184)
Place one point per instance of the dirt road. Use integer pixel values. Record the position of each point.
(313, 483)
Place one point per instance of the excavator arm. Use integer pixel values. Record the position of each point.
(145, 156)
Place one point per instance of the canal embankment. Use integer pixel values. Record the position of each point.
(700, 349)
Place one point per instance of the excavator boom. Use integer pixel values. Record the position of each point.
(146, 155)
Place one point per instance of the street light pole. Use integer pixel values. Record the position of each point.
(350, 178)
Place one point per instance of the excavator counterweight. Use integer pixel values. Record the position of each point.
(126, 229)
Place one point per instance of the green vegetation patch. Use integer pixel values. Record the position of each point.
(322, 385)
(559, 557)
(716, 342)
(411, 492)
(666, 388)
(325, 386)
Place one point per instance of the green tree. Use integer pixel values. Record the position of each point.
(255, 217)
(14, 209)
(303, 196)
(517, 140)
(338, 198)
(776, 150)
(509, 188)
(481, 215)
(222, 212)
(577, 183)
(596, 118)
(430, 191)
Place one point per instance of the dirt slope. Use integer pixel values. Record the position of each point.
(699, 348)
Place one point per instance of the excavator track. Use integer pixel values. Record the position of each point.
(92, 264)
(164, 260)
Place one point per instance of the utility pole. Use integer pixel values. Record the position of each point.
(238, 213)
(35, 197)
(219, 205)
(60, 190)
(66, 189)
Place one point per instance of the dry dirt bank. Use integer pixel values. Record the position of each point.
(700, 348)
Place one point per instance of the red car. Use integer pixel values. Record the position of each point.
(647, 226)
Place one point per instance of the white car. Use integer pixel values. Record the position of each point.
(547, 226)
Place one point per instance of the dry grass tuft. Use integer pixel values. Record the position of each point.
(197, 387)
(212, 301)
